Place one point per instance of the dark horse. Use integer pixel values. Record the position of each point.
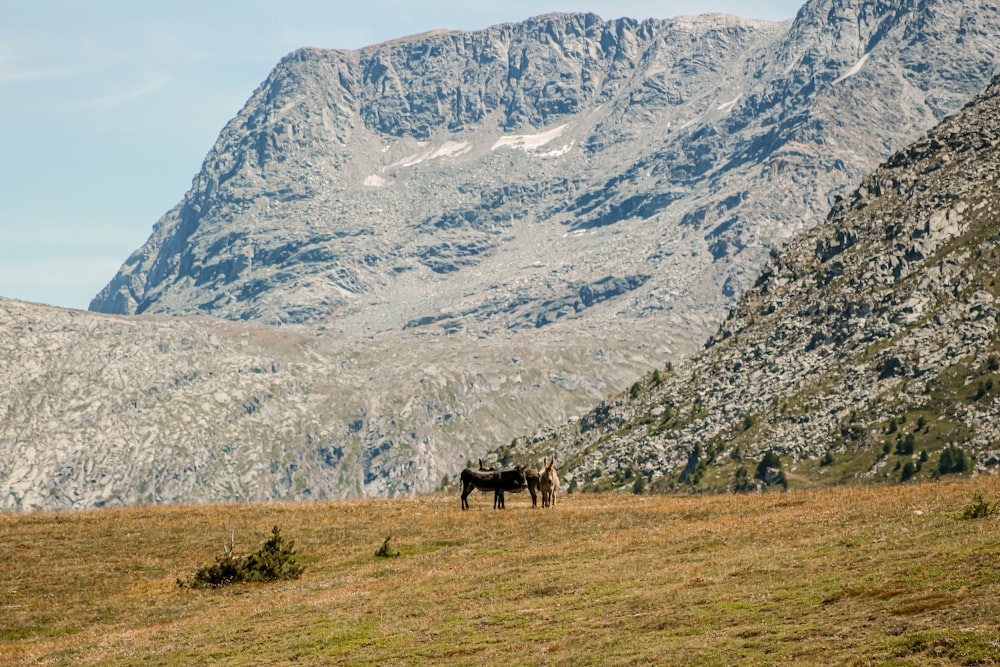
(497, 481)
(532, 477)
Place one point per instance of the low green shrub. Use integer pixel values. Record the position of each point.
(979, 508)
(385, 551)
(275, 560)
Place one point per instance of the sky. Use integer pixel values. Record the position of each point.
(108, 107)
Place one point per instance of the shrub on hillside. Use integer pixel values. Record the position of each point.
(953, 460)
(770, 460)
(906, 445)
(275, 560)
(983, 388)
(980, 508)
(742, 482)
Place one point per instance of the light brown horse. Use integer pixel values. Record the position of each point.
(548, 483)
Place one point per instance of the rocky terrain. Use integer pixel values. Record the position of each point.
(865, 342)
(430, 246)
(108, 410)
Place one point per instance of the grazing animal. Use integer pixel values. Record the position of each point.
(530, 483)
(548, 483)
(530, 475)
(496, 481)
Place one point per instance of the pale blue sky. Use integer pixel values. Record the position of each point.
(107, 107)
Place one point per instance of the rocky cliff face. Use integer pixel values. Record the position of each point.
(458, 237)
(863, 343)
(482, 180)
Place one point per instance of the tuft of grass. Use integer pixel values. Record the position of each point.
(385, 551)
(943, 647)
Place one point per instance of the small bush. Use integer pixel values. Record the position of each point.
(983, 388)
(385, 551)
(909, 470)
(905, 446)
(979, 508)
(275, 560)
(742, 482)
(953, 460)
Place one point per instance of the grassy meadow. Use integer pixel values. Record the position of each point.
(851, 575)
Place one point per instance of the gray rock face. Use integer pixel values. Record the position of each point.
(458, 237)
(505, 168)
(887, 311)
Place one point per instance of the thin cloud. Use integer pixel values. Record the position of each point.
(127, 95)
(33, 75)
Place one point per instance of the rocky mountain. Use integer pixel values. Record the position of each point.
(445, 241)
(510, 177)
(867, 344)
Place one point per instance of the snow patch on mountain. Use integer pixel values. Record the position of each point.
(853, 69)
(529, 142)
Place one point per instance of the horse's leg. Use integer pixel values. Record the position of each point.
(466, 489)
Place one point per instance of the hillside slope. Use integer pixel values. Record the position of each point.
(874, 334)
(103, 410)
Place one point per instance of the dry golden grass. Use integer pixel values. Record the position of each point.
(848, 575)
